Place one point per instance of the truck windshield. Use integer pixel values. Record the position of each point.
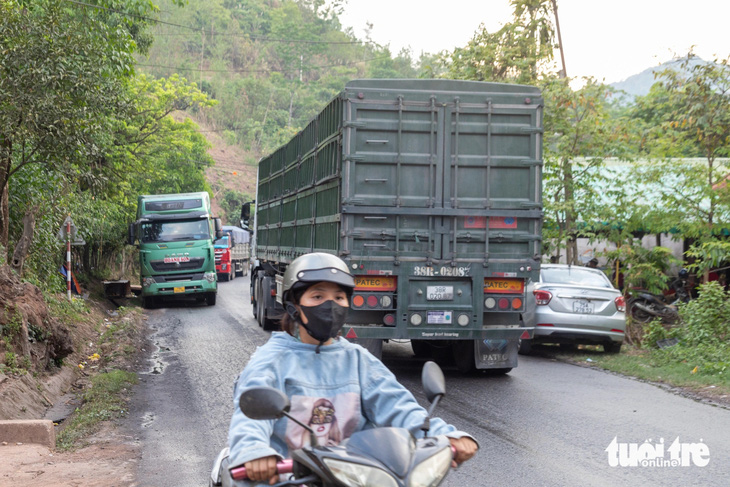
(222, 242)
(175, 231)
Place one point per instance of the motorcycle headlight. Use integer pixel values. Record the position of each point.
(210, 276)
(431, 471)
(358, 475)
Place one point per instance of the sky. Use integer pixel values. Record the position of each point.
(609, 40)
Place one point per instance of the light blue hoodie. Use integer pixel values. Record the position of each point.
(339, 391)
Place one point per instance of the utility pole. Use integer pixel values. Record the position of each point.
(563, 73)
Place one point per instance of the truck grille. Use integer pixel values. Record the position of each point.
(192, 264)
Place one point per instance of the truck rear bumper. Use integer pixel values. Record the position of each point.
(431, 333)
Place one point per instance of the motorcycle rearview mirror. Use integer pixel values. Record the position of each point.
(434, 385)
(264, 403)
(269, 403)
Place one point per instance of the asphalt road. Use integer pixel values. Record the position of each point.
(544, 424)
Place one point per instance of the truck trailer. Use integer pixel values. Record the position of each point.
(175, 234)
(430, 191)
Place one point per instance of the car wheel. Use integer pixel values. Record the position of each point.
(525, 347)
(612, 347)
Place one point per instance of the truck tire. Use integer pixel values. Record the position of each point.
(232, 274)
(210, 299)
(421, 349)
(255, 285)
(525, 347)
(464, 358)
(148, 302)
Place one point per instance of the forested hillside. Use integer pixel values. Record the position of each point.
(272, 65)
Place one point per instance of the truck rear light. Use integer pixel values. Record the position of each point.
(503, 303)
(542, 297)
(386, 301)
(389, 319)
(490, 303)
(358, 301)
(416, 319)
(463, 319)
(620, 303)
(372, 301)
(516, 303)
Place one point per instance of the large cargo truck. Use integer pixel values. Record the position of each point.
(175, 234)
(430, 191)
(232, 253)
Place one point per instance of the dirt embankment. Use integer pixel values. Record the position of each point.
(52, 362)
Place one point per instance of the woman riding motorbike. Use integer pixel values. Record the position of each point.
(329, 381)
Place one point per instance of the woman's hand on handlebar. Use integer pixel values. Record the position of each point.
(464, 449)
(262, 469)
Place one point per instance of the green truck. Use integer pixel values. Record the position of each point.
(176, 257)
(430, 191)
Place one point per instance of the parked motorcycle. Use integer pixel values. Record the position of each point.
(644, 306)
(378, 457)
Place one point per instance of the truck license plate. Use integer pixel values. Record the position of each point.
(583, 307)
(179, 289)
(439, 318)
(439, 293)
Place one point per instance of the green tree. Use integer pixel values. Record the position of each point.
(61, 77)
(580, 196)
(519, 52)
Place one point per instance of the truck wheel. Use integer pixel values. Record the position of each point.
(255, 284)
(421, 349)
(148, 302)
(232, 274)
(525, 347)
(463, 352)
(210, 299)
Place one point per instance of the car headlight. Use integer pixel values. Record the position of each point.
(358, 475)
(209, 276)
(431, 471)
(148, 281)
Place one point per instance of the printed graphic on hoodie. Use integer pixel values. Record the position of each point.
(332, 418)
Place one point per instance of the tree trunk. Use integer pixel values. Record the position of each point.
(5, 150)
(23, 246)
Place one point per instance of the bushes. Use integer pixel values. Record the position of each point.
(703, 333)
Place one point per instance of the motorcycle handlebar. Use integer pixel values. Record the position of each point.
(285, 466)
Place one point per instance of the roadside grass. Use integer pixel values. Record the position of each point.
(105, 400)
(651, 365)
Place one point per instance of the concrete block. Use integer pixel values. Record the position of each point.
(39, 431)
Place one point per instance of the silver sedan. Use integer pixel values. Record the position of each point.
(572, 305)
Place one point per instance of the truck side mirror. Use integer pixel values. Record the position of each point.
(131, 234)
(246, 213)
(218, 228)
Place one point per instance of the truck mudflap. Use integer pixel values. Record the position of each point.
(495, 354)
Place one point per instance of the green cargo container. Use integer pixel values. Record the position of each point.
(430, 190)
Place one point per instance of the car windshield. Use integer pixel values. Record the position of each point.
(175, 231)
(575, 276)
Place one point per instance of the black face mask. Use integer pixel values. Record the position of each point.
(324, 321)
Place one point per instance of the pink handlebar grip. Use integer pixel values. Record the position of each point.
(284, 466)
